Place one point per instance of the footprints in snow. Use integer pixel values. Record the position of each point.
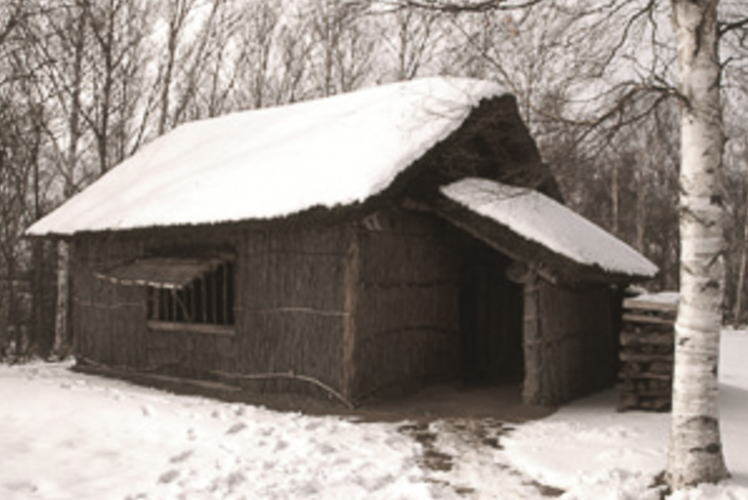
(432, 459)
(25, 487)
(237, 427)
(172, 474)
(477, 434)
(181, 457)
(168, 476)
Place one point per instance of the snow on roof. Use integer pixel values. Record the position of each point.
(536, 217)
(274, 162)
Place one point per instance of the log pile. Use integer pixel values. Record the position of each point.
(646, 354)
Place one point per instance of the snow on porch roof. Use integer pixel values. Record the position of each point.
(538, 218)
(273, 162)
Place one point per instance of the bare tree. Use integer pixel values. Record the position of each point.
(177, 13)
(254, 70)
(20, 145)
(118, 30)
(413, 39)
(197, 52)
(342, 45)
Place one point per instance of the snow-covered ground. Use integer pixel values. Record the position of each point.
(593, 452)
(65, 435)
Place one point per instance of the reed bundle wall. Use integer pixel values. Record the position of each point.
(289, 307)
(570, 342)
(362, 308)
(407, 310)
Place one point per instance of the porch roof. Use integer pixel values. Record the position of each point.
(531, 227)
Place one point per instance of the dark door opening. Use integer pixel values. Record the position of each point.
(491, 319)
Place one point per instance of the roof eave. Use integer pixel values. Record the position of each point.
(553, 266)
(47, 236)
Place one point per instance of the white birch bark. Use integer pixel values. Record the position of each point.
(695, 446)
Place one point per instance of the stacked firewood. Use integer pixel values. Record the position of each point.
(647, 342)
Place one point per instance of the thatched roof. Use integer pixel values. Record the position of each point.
(533, 228)
(413, 141)
(273, 162)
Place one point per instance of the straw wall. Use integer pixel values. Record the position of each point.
(570, 342)
(108, 321)
(407, 308)
(289, 307)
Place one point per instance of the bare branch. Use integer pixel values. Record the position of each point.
(735, 25)
(454, 7)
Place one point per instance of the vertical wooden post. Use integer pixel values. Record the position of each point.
(63, 298)
(225, 293)
(42, 327)
(232, 297)
(351, 284)
(162, 314)
(214, 296)
(531, 336)
(193, 302)
(204, 295)
(172, 299)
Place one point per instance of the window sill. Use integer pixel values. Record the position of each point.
(170, 326)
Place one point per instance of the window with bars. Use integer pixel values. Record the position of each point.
(207, 299)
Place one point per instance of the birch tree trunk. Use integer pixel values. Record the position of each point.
(695, 446)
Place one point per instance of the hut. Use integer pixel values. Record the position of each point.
(358, 245)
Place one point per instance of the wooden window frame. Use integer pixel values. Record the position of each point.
(174, 326)
(205, 305)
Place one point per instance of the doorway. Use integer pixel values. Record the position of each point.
(491, 319)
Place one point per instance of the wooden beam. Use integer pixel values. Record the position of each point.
(174, 326)
(640, 318)
(648, 338)
(225, 294)
(351, 282)
(141, 376)
(214, 296)
(204, 296)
